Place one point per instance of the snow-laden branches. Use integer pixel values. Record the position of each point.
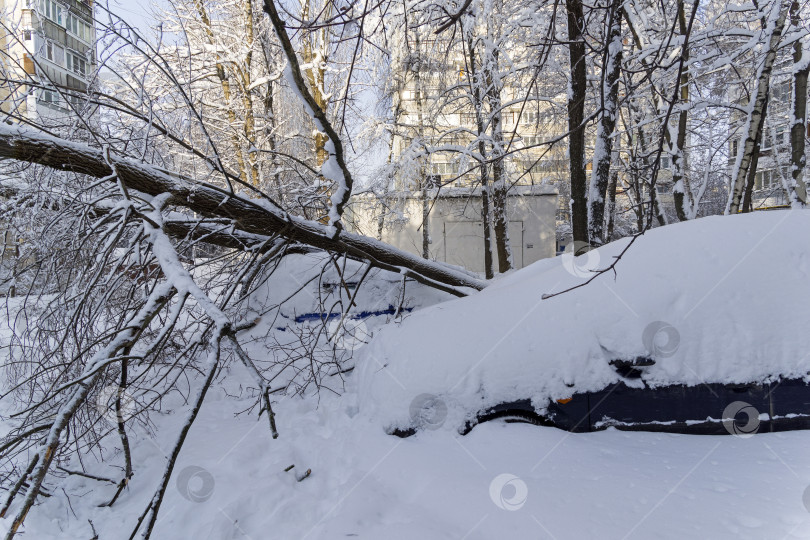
(248, 215)
(340, 173)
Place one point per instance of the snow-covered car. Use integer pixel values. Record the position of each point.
(699, 327)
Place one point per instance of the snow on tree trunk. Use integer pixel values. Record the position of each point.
(798, 159)
(600, 177)
(752, 131)
(681, 192)
(335, 167)
(486, 212)
(248, 168)
(610, 208)
(500, 189)
(423, 166)
(748, 195)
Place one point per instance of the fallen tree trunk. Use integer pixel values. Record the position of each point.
(251, 216)
(217, 232)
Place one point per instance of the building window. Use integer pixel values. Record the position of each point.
(27, 35)
(532, 140)
(413, 95)
(781, 92)
(75, 100)
(52, 11)
(780, 132)
(76, 64)
(734, 144)
(766, 139)
(54, 53)
(49, 96)
(468, 119)
(768, 179)
(530, 117)
(545, 166)
(79, 28)
(665, 162)
(445, 168)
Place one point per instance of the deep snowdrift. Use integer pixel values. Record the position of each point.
(230, 481)
(720, 299)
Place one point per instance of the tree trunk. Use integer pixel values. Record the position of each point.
(681, 193)
(756, 110)
(272, 121)
(576, 117)
(315, 57)
(748, 197)
(614, 182)
(249, 216)
(343, 190)
(499, 188)
(226, 94)
(600, 177)
(486, 213)
(501, 221)
(655, 208)
(414, 63)
(798, 159)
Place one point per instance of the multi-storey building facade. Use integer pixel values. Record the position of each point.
(48, 57)
(435, 142)
(47, 60)
(430, 104)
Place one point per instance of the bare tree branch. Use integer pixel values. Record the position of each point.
(248, 216)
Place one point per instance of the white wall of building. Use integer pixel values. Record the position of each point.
(456, 229)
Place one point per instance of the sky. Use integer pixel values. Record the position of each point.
(137, 13)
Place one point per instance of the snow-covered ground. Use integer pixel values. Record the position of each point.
(440, 485)
(501, 480)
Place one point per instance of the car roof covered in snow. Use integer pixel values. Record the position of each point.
(716, 300)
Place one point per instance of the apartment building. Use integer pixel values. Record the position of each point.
(48, 57)
(436, 127)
